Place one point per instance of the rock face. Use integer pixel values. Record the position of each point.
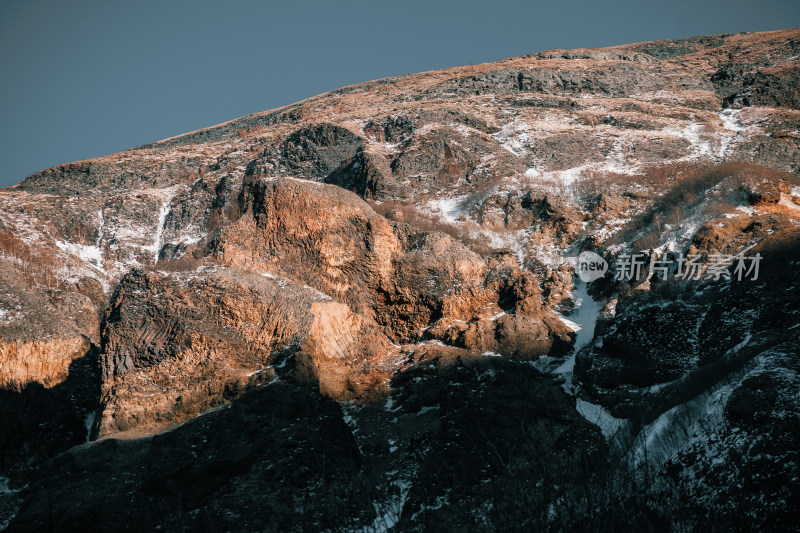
(346, 250)
(332, 289)
(177, 345)
(360, 312)
(39, 361)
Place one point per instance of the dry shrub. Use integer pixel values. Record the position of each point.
(480, 191)
(668, 174)
(180, 264)
(708, 129)
(718, 209)
(648, 242)
(467, 232)
(251, 131)
(731, 176)
(186, 176)
(81, 233)
(11, 246)
(37, 265)
(595, 182)
(690, 184)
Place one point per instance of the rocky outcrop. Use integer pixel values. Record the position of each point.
(248, 466)
(175, 346)
(348, 356)
(475, 414)
(511, 319)
(49, 378)
(342, 252)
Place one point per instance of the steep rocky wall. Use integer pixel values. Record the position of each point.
(318, 234)
(40, 361)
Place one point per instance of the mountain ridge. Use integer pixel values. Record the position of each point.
(381, 81)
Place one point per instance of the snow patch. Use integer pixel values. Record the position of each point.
(162, 220)
(101, 221)
(731, 120)
(450, 209)
(574, 326)
(739, 346)
(514, 137)
(598, 416)
(88, 422)
(497, 316)
(390, 511)
(91, 255)
(9, 503)
(441, 501)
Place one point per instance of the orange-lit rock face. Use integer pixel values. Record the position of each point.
(331, 289)
(318, 234)
(46, 361)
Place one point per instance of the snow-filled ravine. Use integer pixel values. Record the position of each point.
(583, 321)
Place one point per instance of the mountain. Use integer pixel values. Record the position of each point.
(363, 311)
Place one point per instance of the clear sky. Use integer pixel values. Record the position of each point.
(81, 79)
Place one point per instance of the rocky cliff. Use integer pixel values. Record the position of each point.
(361, 311)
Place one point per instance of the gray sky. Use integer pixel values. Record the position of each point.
(87, 78)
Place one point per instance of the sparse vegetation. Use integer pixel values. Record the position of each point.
(183, 263)
(251, 131)
(467, 231)
(37, 265)
(690, 187)
(648, 242)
